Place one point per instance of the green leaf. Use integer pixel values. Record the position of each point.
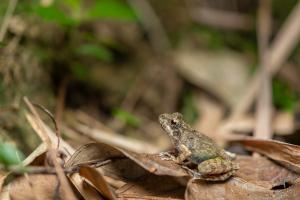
(126, 117)
(111, 9)
(283, 97)
(53, 13)
(189, 108)
(2, 44)
(9, 155)
(80, 72)
(97, 51)
(74, 4)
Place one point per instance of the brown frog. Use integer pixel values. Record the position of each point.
(214, 163)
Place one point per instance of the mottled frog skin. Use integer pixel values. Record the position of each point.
(214, 163)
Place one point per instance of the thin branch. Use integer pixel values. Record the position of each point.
(263, 127)
(282, 46)
(42, 132)
(222, 19)
(9, 12)
(158, 36)
(52, 152)
(57, 130)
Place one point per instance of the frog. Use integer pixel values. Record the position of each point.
(213, 163)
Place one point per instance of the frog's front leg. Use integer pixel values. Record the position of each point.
(216, 165)
(184, 153)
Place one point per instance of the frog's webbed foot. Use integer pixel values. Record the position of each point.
(192, 173)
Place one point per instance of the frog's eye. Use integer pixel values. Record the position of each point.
(173, 122)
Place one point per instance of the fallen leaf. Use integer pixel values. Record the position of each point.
(236, 188)
(34, 187)
(284, 153)
(98, 181)
(93, 153)
(96, 152)
(263, 172)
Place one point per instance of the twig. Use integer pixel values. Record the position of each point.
(280, 49)
(57, 130)
(69, 194)
(263, 127)
(158, 37)
(60, 103)
(9, 12)
(222, 19)
(42, 132)
(52, 153)
(50, 170)
(116, 140)
(88, 127)
(282, 124)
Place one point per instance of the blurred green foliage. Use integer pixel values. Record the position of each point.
(215, 39)
(96, 51)
(9, 155)
(74, 12)
(111, 9)
(126, 117)
(79, 71)
(283, 97)
(189, 108)
(54, 14)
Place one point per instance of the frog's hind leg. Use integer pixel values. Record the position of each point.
(215, 166)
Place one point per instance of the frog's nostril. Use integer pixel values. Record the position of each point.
(162, 117)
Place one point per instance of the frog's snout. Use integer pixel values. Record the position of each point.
(161, 118)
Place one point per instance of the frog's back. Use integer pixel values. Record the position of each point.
(201, 146)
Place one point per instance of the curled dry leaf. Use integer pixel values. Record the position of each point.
(284, 153)
(94, 152)
(125, 165)
(98, 181)
(85, 190)
(236, 188)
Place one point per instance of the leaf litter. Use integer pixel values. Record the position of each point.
(101, 171)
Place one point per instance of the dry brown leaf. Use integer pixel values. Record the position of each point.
(152, 187)
(154, 164)
(236, 188)
(284, 153)
(95, 152)
(92, 153)
(37, 157)
(35, 187)
(98, 181)
(3, 176)
(84, 189)
(263, 172)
